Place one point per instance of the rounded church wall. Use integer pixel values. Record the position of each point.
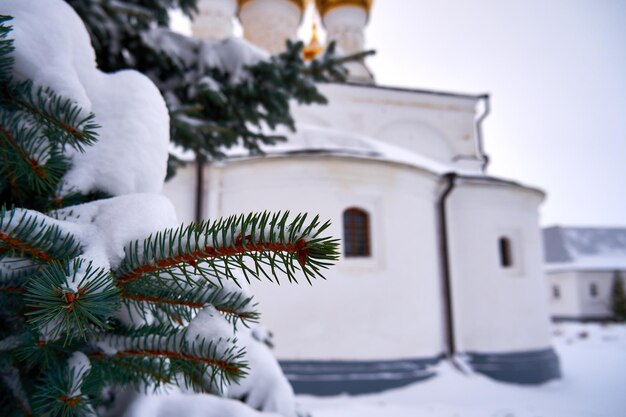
(498, 283)
(379, 307)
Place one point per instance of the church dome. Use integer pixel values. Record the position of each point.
(345, 21)
(268, 24)
(324, 6)
(300, 3)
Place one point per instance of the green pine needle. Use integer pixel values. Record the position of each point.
(29, 234)
(160, 355)
(6, 49)
(13, 399)
(67, 299)
(259, 244)
(35, 353)
(54, 304)
(33, 163)
(62, 119)
(60, 394)
(180, 303)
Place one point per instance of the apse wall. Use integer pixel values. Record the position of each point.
(491, 297)
(387, 306)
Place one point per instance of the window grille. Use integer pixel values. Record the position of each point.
(356, 234)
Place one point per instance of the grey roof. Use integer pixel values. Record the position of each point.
(585, 248)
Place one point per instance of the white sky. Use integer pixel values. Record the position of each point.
(556, 73)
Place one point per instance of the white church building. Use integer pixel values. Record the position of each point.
(440, 259)
(582, 264)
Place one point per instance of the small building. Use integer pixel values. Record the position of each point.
(581, 265)
(440, 259)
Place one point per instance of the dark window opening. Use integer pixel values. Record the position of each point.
(593, 290)
(506, 254)
(356, 234)
(556, 292)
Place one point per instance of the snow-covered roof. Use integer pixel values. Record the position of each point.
(309, 139)
(316, 140)
(420, 91)
(584, 248)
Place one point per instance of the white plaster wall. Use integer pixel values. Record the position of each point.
(576, 300)
(599, 306)
(497, 309)
(568, 305)
(181, 191)
(385, 307)
(439, 126)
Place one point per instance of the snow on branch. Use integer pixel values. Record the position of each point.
(250, 244)
(60, 392)
(203, 364)
(28, 158)
(6, 48)
(181, 303)
(33, 235)
(71, 299)
(10, 380)
(63, 118)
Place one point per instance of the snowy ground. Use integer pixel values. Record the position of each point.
(593, 361)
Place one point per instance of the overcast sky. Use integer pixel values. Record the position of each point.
(556, 73)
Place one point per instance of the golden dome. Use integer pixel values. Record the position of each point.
(300, 3)
(324, 6)
(314, 48)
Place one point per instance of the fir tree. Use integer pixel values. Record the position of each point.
(63, 337)
(618, 298)
(210, 109)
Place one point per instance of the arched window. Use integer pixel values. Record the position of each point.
(356, 233)
(506, 253)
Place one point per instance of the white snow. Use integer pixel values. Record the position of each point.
(127, 105)
(593, 361)
(210, 325)
(190, 405)
(52, 48)
(230, 55)
(59, 58)
(265, 387)
(605, 262)
(107, 226)
(79, 365)
(316, 139)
